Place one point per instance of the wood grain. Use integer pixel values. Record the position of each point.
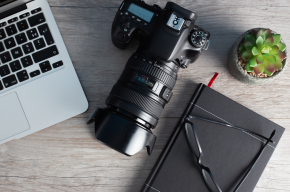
(66, 157)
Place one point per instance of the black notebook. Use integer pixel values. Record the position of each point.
(227, 152)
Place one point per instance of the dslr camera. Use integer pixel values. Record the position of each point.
(169, 40)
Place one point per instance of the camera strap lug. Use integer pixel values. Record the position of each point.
(206, 45)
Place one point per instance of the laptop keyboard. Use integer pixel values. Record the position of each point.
(25, 41)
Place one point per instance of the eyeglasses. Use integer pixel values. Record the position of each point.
(197, 151)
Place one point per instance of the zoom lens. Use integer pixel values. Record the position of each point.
(143, 89)
(135, 105)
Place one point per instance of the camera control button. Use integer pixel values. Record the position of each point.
(121, 36)
(126, 24)
(166, 94)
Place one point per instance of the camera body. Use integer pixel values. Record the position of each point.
(166, 33)
(169, 40)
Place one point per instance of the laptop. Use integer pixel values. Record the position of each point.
(38, 83)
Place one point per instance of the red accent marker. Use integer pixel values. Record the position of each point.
(212, 79)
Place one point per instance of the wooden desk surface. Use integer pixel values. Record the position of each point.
(66, 156)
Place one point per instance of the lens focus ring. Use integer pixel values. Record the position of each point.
(168, 80)
(145, 103)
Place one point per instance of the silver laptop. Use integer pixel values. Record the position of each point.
(38, 83)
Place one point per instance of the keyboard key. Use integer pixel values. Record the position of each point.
(4, 70)
(34, 73)
(22, 75)
(26, 61)
(11, 30)
(15, 66)
(21, 38)
(45, 54)
(32, 33)
(36, 20)
(22, 25)
(28, 48)
(36, 10)
(9, 81)
(45, 66)
(2, 34)
(24, 15)
(3, 24)
(12, 20)
(57, 64)
(1, 86)
(44, 30)
(39, 43)
(9, 43)
(16, 53)
(2, 47)
(5, 57)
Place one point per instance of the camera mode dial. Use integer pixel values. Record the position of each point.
(198, 38)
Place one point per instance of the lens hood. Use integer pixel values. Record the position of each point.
(120, 133)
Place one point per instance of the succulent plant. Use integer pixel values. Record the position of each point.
(263, 52)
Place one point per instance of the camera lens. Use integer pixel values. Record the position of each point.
(135, 105)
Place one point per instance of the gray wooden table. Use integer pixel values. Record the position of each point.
(66, 156)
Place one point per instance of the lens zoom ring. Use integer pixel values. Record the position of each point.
(153, 71)
(145, 103)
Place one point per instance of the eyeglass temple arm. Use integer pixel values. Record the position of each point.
(256, 160)
(232, 126)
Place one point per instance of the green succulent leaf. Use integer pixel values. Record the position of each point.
(251, 38)
(269, 41)
(261, 33)
(255, 51)
(265, 50)
(277, 39)
(274, 50)
(281, 46)
(260, 59)
(269, 59)
(246, 55)
(269, 67)
(259, 42)
(253, 61)
(267, 72)
(259, 69)
(278, 65)
(248, 67)
(278, 59)
(282, 55)
(242, 47)
(249, 46)
(268, 33)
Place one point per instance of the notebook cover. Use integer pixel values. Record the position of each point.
(227, 152)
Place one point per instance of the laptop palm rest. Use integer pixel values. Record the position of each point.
(12, 117)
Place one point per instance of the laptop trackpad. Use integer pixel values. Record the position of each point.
(12, 118)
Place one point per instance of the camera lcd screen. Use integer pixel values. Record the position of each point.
(140, 12)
